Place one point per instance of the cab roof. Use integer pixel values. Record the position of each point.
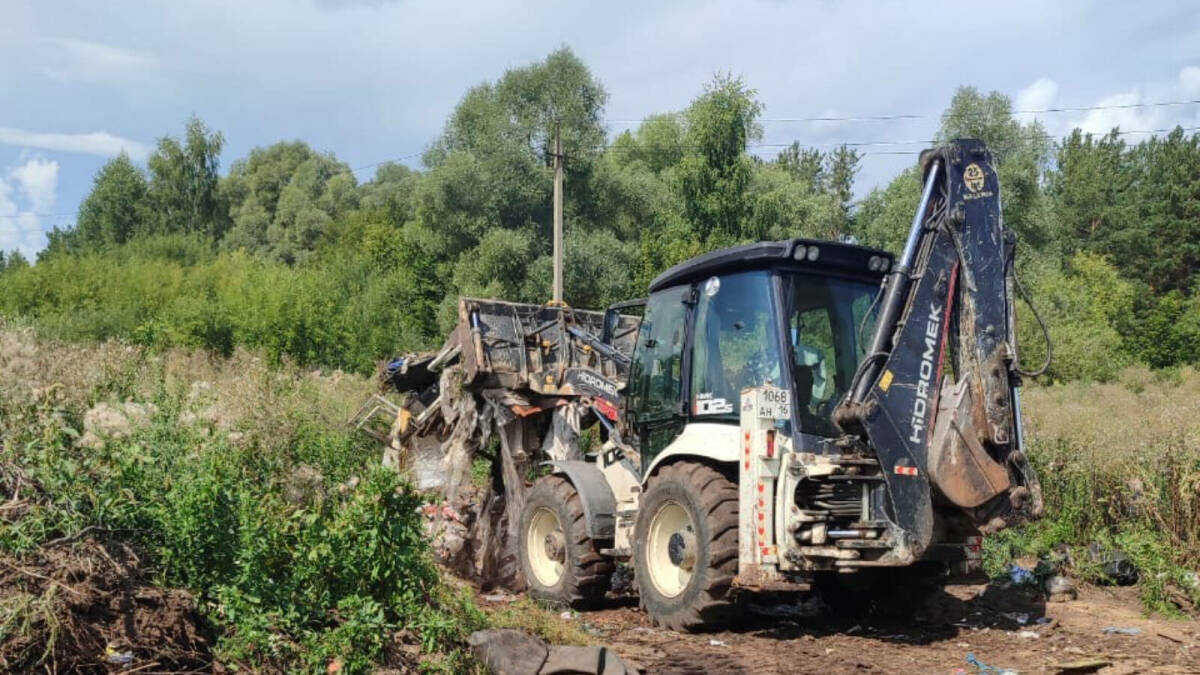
(832, 258)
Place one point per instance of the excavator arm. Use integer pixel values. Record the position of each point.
(937, 397)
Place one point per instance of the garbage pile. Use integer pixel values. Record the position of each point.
(513, 386)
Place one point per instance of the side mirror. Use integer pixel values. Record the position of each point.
(612, 318)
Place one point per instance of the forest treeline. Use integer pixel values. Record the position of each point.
(290, 253)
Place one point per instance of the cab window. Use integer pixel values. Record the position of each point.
(824, 317)
(656, 375)
(735, 343)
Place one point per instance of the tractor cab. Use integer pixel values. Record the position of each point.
(794, 315)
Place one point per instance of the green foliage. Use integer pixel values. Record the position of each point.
(285, 197)
(1083, 304)
(1140, 205)
(715, 173)
(116, 208)
(300, 549)
(1119, 467)
(183, 183)
(784, 204)
(1022, 154)
(335, 273)
(344, 312)
(885, 215)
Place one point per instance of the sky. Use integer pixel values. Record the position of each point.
(373, 80)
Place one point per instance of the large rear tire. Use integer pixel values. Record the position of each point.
(559, 560)
(685, 547)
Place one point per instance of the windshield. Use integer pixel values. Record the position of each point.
(735, 344)
(823, 319)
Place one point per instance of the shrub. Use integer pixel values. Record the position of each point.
(235, 481)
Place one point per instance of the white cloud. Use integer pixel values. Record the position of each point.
(87, 62)
(1128, 111)
(21, 226)
(96, 143)
(1042, 94)
(38, 180)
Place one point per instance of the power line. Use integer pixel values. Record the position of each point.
(926, 142)
(39, 215)
(854, 144)
(918, 116)
(396, 159)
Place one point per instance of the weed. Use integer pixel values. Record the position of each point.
(234, 480)
(1120, 465)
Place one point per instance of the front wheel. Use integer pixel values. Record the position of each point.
(559, 559)
(685, 547)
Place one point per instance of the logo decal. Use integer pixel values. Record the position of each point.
(973, 177)
(925, 374)
(707, 404)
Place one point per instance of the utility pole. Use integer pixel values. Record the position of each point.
(558, 218)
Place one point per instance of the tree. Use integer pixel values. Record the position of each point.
(783, 205)
(1139, 205)
(1083, 304)
(1091, 190)
(15, 261)
(841, 169)
(283, 199)
(1021, 154)
(391, 192)
(115, 210)
(885, 215)
(183, 183)
(714, 176)
(805, 164)
(490, 169)
(1167, 225)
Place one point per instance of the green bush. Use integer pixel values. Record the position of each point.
(1119, 465)
(300, 548)
(345, 312)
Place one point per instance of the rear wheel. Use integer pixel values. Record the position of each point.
(685, 547)
(559, 559)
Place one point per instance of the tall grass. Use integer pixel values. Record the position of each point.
(1119, 465)
(237, 481)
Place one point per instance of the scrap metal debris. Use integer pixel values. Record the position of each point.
(515, 385)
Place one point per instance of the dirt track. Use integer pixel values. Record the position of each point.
(934, 638)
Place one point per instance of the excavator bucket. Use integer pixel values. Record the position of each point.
(959, 466)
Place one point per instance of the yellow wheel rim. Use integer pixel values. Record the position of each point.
(671, 549)
(545, 545)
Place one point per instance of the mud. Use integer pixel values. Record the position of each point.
(1004, 628)
(86, 607)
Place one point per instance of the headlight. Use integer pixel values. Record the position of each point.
(813, 253)
(873, 263)
(799, 253)
(884, 263)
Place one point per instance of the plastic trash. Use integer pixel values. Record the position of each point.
(1019, 575)
(118, 658)
(984, 669)
(1115, 566)
(1114, 630)
(1021, 618)
(1059, 584)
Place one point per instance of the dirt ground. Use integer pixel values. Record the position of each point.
(1002, 629)
(89, 608)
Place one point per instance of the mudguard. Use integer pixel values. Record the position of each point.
(599, 503)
